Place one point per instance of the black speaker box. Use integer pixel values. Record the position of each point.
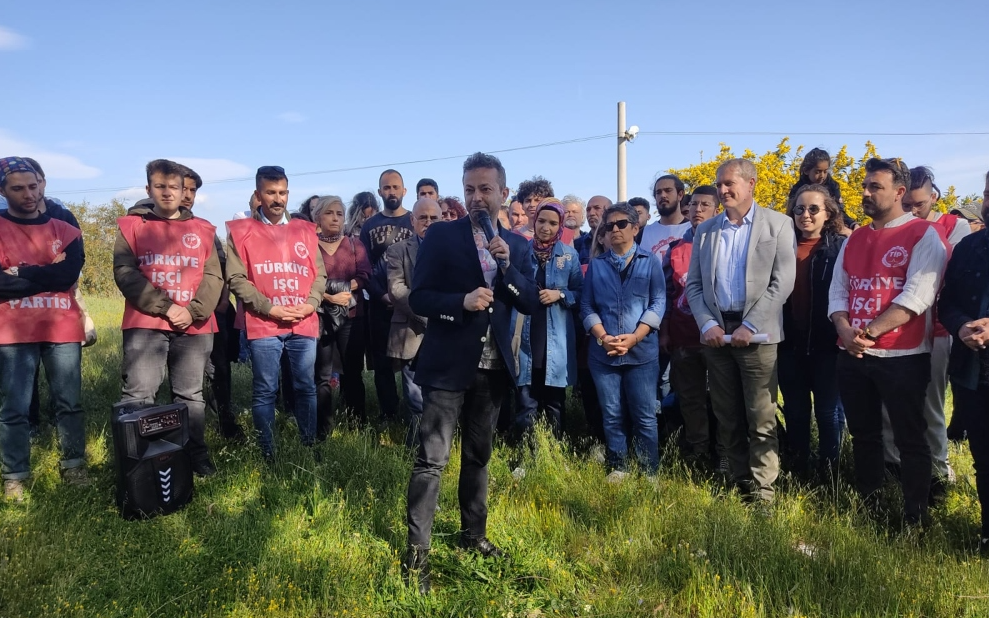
(154, 468)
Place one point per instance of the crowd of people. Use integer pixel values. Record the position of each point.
(677, 335)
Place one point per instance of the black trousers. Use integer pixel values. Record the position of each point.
(329, 347)
(901, 384)
(384, 370)
(352, 380)
(972, 409)
(441, 412)
(220, 359)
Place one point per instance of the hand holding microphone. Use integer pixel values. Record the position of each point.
(497, 246)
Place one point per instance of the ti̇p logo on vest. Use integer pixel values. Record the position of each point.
(191, 241)
(301, 250)
(896, 257)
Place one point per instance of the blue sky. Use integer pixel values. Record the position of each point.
(96, 90)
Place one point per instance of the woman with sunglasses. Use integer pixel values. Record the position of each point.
(547, 352)
(622, 304)
(809, 351)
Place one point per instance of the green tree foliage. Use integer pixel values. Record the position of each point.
(99, 230)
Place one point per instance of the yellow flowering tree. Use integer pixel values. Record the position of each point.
(779, 169)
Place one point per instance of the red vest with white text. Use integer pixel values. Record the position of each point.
(280, 261)
(947, 224)
(876, 262)
(49, 317)
(683, 327)
(171, 254)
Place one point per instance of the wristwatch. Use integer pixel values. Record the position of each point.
(868, 335)
(600, 341)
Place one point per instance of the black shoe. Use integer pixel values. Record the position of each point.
(232, 431)
(482, 546)
(203, 467)
(955, 431)
(416, 565)
(984, 548)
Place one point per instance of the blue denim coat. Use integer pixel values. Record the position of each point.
(621, 306)
(562, 273)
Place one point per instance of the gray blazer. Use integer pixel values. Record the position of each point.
(770, 270)
(407, 328)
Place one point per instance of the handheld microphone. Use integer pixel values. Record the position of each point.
(484, 220)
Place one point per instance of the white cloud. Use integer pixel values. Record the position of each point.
(129, 196)
(56, 165)
(10, 40)
(212, 170)
(293, 117)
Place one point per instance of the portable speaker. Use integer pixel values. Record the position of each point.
(154, 468)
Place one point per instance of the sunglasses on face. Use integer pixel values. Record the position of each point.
(610, 227)
(813, 209)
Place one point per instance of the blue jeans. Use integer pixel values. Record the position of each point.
(266, 354)
(800, 376)
(635, 386)
(18, 365)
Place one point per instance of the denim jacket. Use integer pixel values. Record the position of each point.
(621, 306)
(562, 273)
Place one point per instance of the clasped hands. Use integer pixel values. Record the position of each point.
(975, 334)
(715, 337)
(618, 345)
(293, 314)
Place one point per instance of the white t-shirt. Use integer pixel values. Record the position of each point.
(657, 237)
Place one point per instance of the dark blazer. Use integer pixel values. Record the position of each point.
(447, 269)
(964, 298)
(822, 336)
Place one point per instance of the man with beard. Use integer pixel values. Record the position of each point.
(274, 268)
(885, 282)
(573, 208)
(668, 191)
(427, 187)
(466, 287)
(595, 210)
(920, 201)
(392, 225)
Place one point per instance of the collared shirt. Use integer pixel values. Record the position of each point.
(490, 359)
(730, 262)
(263, 219)
(927, 262)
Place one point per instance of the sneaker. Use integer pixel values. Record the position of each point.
(518, 473)
(204, 467)
(13, 490)
(951, 478)
(482, 545)
(78, 476)
(616, 477)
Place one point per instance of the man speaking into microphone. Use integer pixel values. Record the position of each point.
(467, 280)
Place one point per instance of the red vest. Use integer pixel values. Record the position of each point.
(280, 261)
(49, 317)
(683, 327)
(172, 255)
(947, 224)
(876, 262)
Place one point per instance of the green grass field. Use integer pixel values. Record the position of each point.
(324, 538)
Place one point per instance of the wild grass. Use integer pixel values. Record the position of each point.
(324, 538)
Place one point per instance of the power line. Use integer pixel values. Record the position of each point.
(576, 141)
(368, 167)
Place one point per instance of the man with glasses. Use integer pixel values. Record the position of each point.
(742, 269)
(274, 268)
(407, 328)
(920, 200)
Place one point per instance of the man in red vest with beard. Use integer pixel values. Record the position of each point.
(166, 268)
(886, 279)
(274, 267)
(40, 321)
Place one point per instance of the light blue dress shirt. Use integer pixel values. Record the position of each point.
(729, 268)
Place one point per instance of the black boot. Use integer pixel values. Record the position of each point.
(415, 567)
(482, 546)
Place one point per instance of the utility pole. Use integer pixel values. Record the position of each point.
(624, 136)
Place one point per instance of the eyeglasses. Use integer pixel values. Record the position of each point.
(812, 209)
(610, 227)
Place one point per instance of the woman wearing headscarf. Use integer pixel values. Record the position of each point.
(339, 350)
(547, 352)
